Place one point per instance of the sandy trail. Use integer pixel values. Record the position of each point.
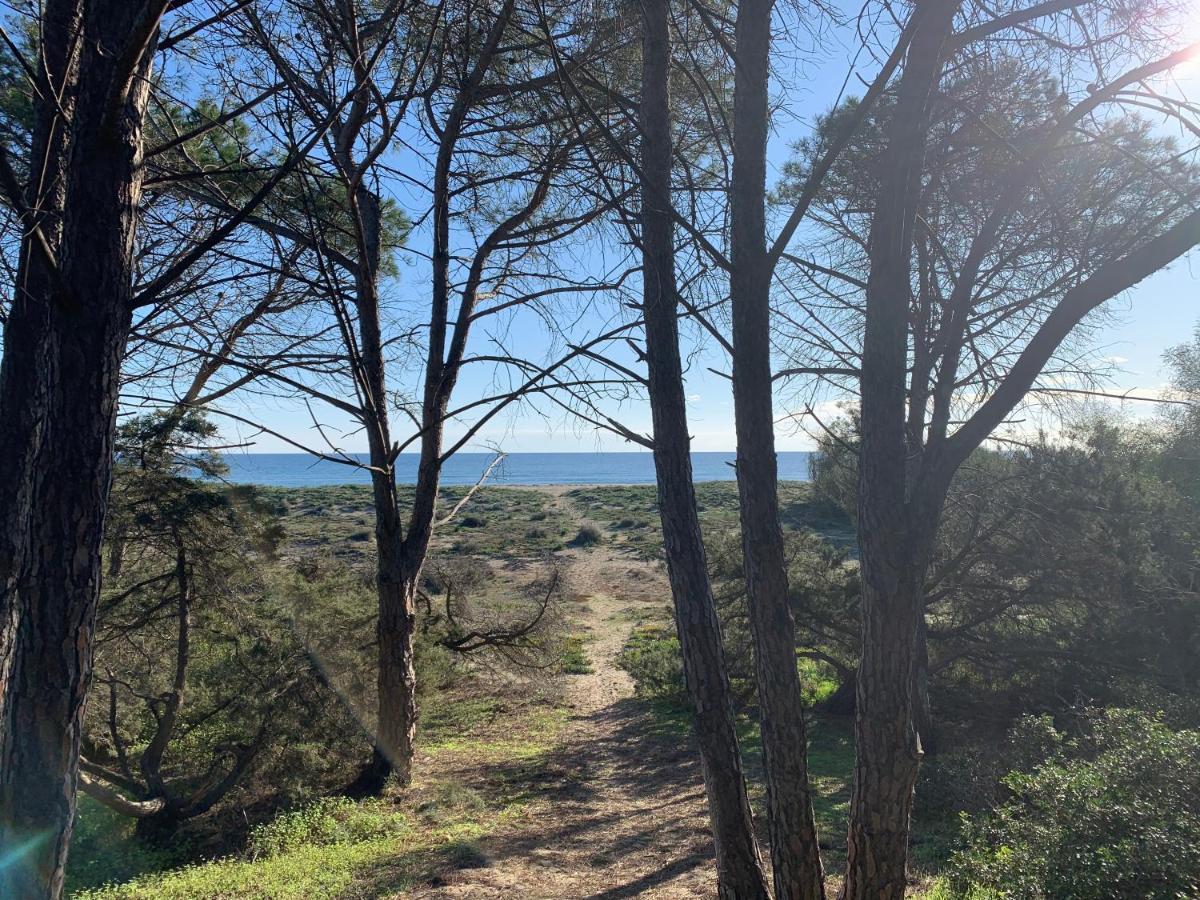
(619, 811)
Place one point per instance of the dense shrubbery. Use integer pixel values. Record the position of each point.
(652, 659)
(1064, 573)
(1112, 812)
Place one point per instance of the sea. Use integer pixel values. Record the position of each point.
(303, 470)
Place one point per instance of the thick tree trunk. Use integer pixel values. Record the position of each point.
(24, 377)
(897, 505)
(87, 324)
(738, 869)
(795, 853)
(888, 754)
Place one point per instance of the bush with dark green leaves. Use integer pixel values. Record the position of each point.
(1113, 812)
(651, 657)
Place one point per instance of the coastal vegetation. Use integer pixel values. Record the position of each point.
(959, 662)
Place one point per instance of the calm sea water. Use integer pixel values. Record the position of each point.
(301, 470)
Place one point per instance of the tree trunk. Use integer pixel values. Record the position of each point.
(152, 757)
(896, 517)
(795, 853)
(396, 582)
(24, 378)
(888, 754)
(922, 711)
(739, 872)
(85, 326)
(842, 701)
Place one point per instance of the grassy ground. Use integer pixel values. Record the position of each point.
(629, 513)
(336, 848)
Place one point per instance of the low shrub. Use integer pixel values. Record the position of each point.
(587, 536)
(652, 658)
(332, 820)
(1113, 812)
(573, 659)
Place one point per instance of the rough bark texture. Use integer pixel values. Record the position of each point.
(896, 521)
(795, 854)
(83, 329)
(738, 869)
(23, 378)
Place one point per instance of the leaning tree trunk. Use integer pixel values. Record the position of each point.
(795, 853)
(896, 515)
(87, 323)
(739, 872)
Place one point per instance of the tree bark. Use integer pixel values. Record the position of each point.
(795, 853)
(896, 515)
(396, 712)
(24, 378)
(922, 710)
(739, 872)
(79, 331)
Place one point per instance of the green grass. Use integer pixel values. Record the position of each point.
(335, 848)
(494, 522)
(368, 867)
(506, 522)
(104, 849)
(629, 513)
(574, 659)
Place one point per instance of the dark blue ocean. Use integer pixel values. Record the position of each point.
(302, 470)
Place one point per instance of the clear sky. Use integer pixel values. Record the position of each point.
(1158, 314)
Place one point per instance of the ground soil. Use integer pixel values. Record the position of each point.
(619, 810)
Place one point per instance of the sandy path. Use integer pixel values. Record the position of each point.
(619, 811)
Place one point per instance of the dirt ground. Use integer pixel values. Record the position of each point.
(619, 811)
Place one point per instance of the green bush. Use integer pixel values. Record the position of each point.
(1113, 812)
(652, 658)
(587, 536)
(105, 851)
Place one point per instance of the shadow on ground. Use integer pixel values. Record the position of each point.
(626, 818)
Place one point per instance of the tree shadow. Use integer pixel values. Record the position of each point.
(585, 784)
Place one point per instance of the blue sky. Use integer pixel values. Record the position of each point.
(1158, 314)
